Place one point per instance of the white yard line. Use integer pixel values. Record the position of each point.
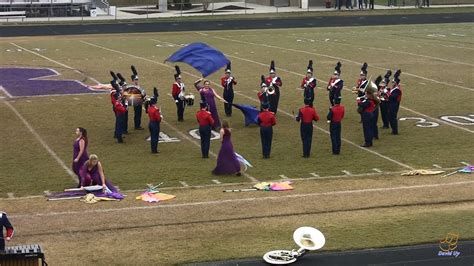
(56, 62)
(314, 174)
(377, 170)
(45, 145)
(339, 59)
(216, 181)
(253, 99)
(184, 184)
(219, 202)
(283, 177)
(346, 172)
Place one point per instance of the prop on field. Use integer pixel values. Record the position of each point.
(200, 56)
(250, 112)
(266, 186)
(152, 194)
(91, 199)
(422, 172)
(468, 169)
(307, 238)
(77, 193)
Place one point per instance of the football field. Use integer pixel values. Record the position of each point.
(436, 124)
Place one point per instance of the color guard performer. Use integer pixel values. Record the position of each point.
(155, 120)
(137, 107)
(308, 85)
(178, 93)
(335, 84)
(383, 96)
(120, 110)
(4, 222)
(266, 121)
(206, 122)
(394, 98)
(307, 114)
(335, 116)
(228, 82)
(274, 83)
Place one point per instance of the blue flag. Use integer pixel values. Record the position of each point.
(250, 113)
(201, 56)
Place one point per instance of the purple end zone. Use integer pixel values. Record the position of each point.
(22, 82)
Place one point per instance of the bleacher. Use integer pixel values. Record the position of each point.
(20, 9)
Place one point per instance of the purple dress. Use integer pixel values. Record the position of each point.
(208, 95)
(227, 162)
(92, 177)
(76, 167)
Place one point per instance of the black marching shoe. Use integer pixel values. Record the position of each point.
(366, 145)
(139, 128)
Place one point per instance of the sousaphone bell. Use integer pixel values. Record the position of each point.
(307, 238)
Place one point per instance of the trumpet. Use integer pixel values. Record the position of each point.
(270, 89)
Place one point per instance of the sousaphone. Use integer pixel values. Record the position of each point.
(307, 238)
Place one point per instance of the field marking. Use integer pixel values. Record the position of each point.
(437, 166)
(347, 172)
(283, 177)
(216, 181)
(217, 202)
(377, 170)
(338, 58)
(345, 88)
(392, 51)
(56, 62)
(255, 100)
(45, 145)
(314, 174)
(6, 92)
(466, 164)
(184, 184)
(10, 195)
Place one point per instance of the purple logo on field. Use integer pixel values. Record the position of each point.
(28, 82)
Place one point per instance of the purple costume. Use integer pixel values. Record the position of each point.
(76, 167)
(92, 177)
(208, 95)
(227, 162)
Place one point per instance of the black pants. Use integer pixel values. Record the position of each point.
(384, 113)
(137, 116)
(119, 121)
(367, 126)
(154, 127)
(375, 119)
(205, 134)
(335, 130)
(266, 135)
(392, 117)
(229, 97)
(274, 99)
(306, 132)
(180, 109)
(125, 123)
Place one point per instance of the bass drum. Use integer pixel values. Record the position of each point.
(280, 257)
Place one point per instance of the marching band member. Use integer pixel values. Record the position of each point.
(273, 83)
(228, 82)
(123, 87)
(335, 84)
(309, 83)
(178, 92)
(80, 154)
(361, 83)
(263, 93)
(120, 110)
(4, 222)
(266, 121)
(366, 107)
(208, 94)
(383, 96)
(155, 119)
(307, 114)
(92, 173)
(335, 116)
(394, 98)
(137, 108)
(205, 121)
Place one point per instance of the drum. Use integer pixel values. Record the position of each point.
(189, 99)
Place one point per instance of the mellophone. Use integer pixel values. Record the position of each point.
(22, 255)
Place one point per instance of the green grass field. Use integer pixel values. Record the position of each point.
(437, 65)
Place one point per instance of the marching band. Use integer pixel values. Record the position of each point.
(384, 94)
